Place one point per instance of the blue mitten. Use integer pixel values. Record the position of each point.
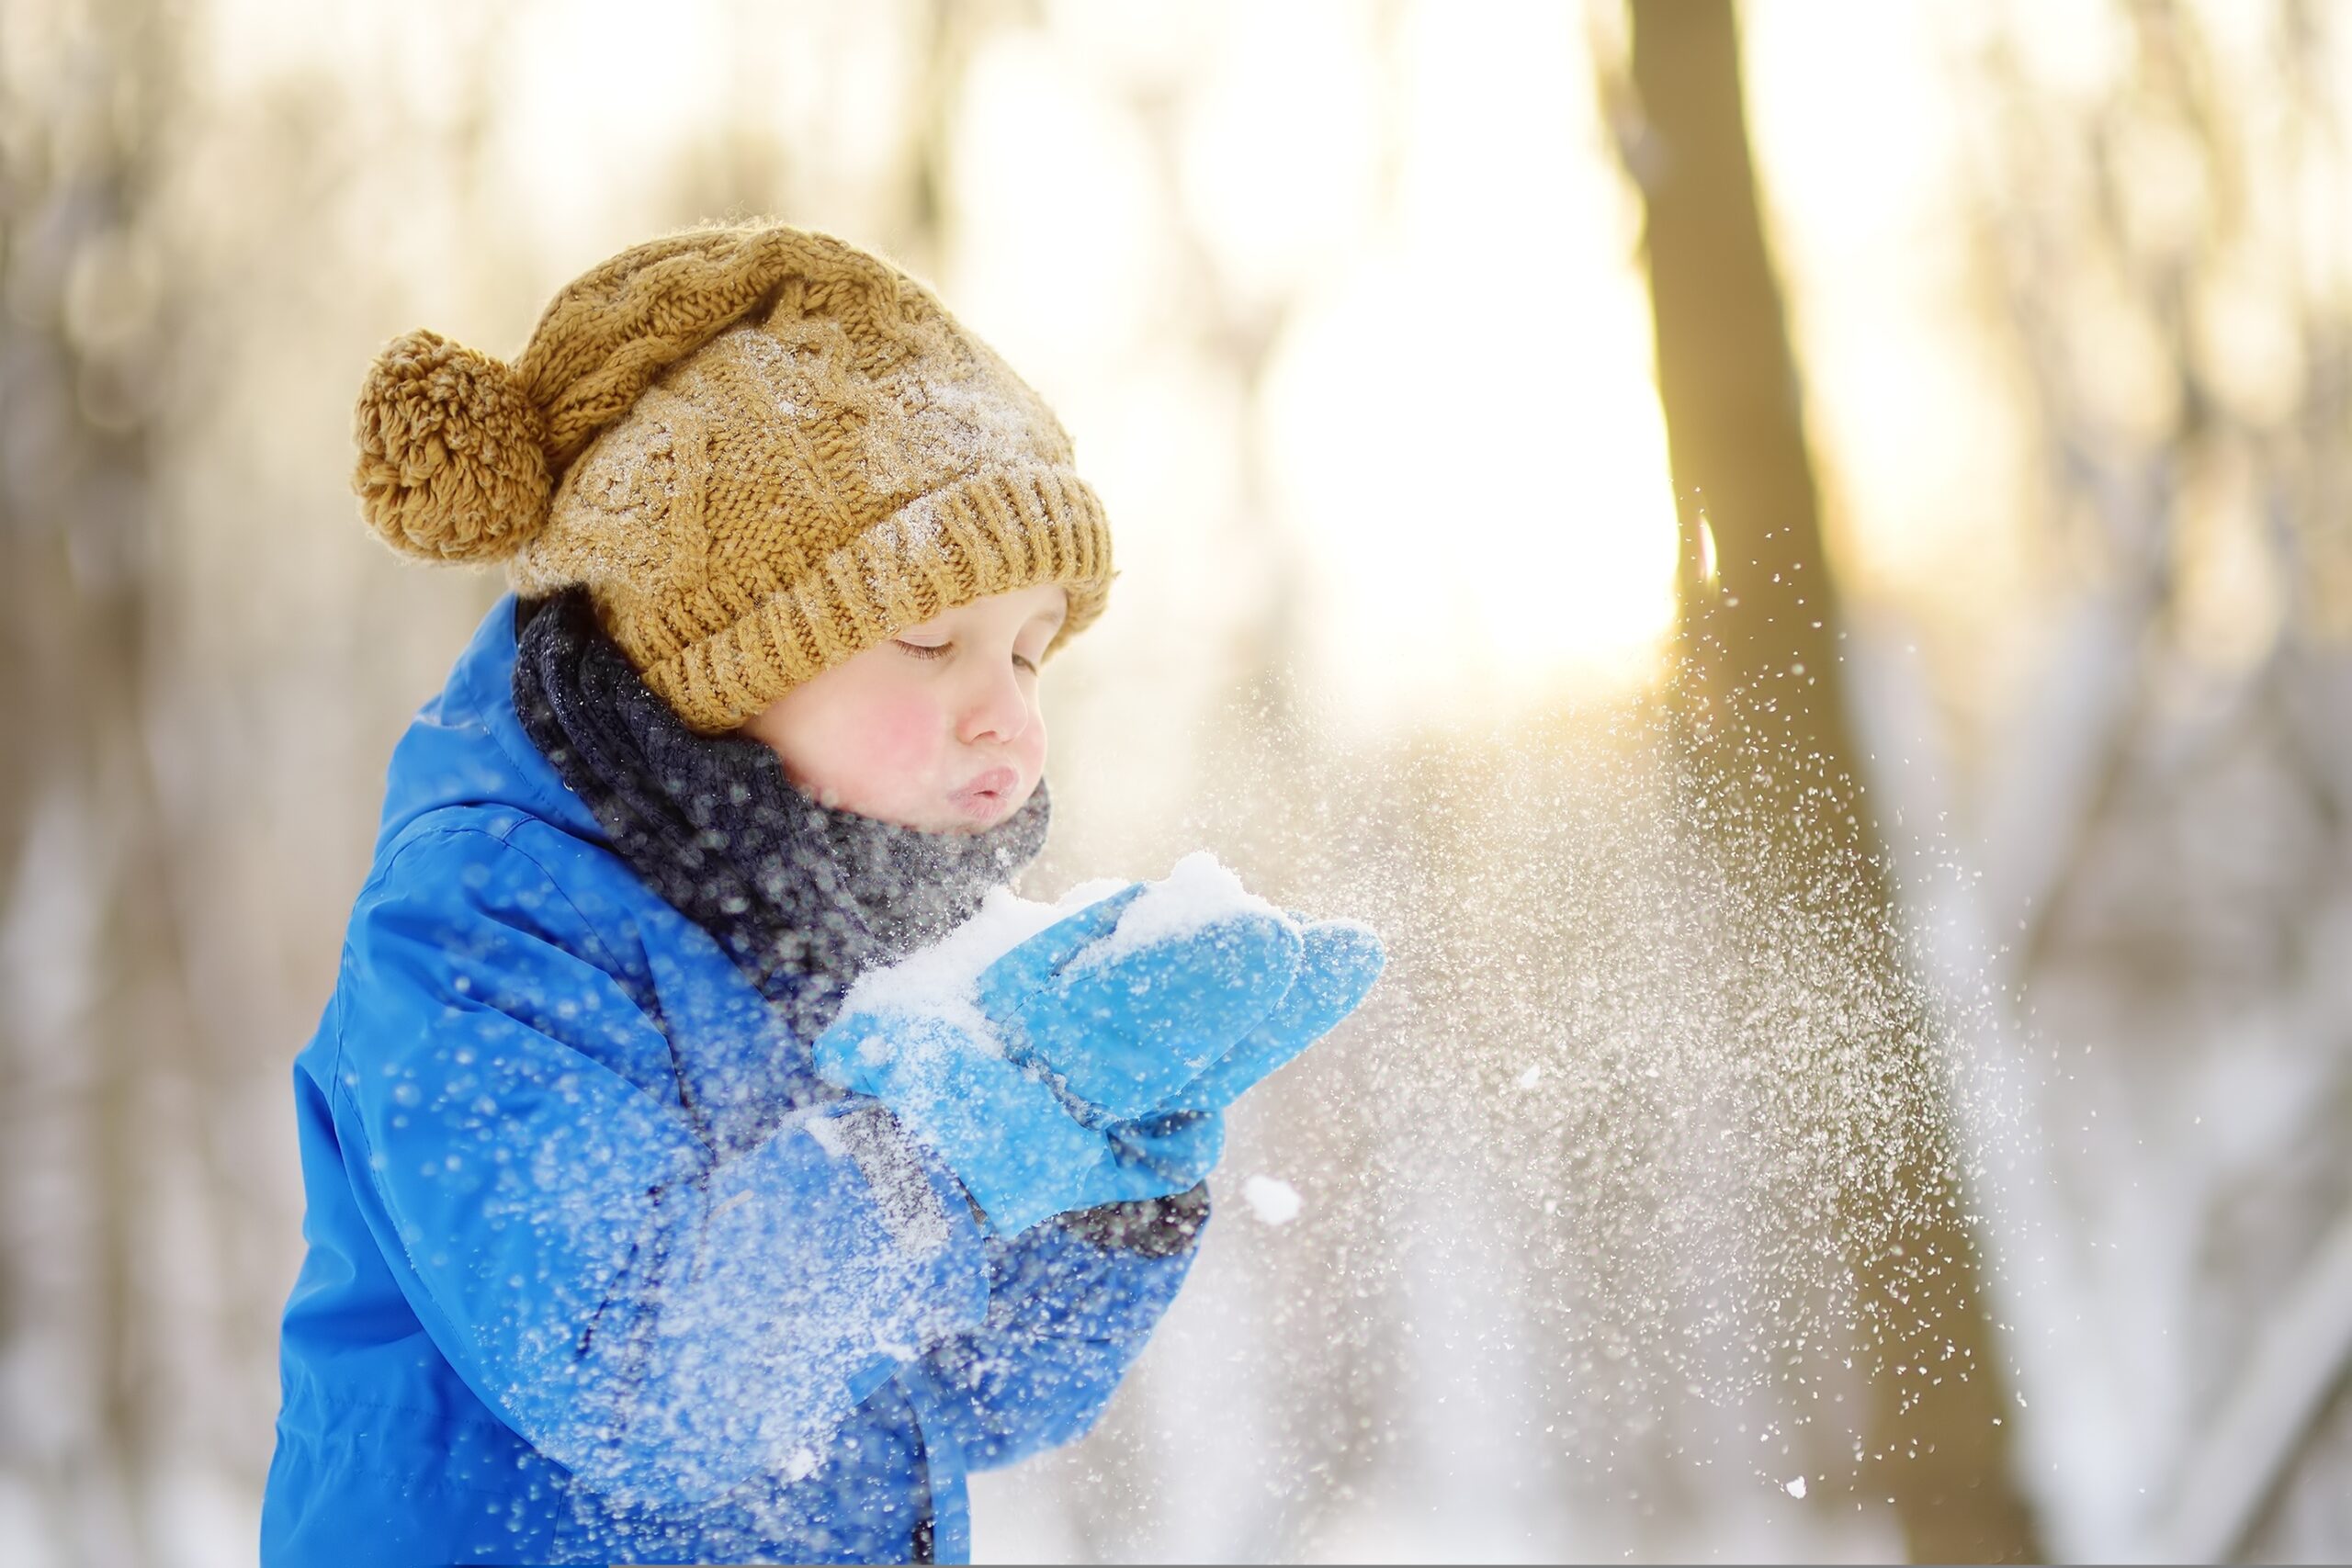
(1001, 1130)
(1192, 1019)
(1007, 1132)
(1155, 1156)
(1125, 1031)
(1096, 1074)
(1339, 961)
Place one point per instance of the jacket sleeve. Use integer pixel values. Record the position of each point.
(664, 1321)
(1071, 1302)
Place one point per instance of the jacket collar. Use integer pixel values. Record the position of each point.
(467, 747)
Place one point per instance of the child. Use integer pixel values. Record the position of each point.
(643, 1224)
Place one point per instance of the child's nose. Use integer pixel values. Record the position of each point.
(996, 710)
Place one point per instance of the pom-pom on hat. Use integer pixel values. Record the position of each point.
(761, 450)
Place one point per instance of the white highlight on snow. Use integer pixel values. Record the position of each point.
(1198, 892)
(1272, 1200)
(937, 981)
(1796, 1487)
(1531, 1076)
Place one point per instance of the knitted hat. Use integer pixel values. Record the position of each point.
(762, 451)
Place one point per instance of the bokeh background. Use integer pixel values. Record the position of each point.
(1508, 412)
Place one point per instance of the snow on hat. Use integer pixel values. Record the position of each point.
(762, 451)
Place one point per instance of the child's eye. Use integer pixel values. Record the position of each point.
(920, 651)
(1026, 662)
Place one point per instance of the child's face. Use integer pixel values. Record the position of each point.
(939, 730)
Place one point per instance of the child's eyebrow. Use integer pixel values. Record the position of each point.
(1053, 617)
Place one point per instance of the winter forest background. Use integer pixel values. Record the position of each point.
(1798, 562)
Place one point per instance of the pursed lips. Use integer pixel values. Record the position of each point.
(986, 793)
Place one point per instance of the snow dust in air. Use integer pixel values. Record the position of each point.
(1654, 1083)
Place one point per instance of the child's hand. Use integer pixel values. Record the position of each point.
(1008, 1134)
(1125, 1032)
(1132, 1023)
(1102, 1053)
(1339, 961)
(1154, 1156)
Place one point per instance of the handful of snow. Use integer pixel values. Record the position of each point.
(939, 981)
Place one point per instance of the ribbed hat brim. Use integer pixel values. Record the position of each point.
(993, 533)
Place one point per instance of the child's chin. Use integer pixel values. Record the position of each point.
(940, 820)
(921, 818)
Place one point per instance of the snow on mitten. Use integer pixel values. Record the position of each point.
(1192, 968)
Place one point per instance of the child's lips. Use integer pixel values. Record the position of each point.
(985, 796)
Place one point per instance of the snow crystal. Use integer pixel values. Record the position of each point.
(1796, 1487)
(1272, 1200)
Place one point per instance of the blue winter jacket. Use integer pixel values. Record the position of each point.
(598, 1270)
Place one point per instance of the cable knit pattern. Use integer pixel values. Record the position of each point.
(769, 451)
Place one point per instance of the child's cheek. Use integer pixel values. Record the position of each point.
(902, 736)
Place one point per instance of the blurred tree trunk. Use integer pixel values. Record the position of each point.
(1765, 724)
